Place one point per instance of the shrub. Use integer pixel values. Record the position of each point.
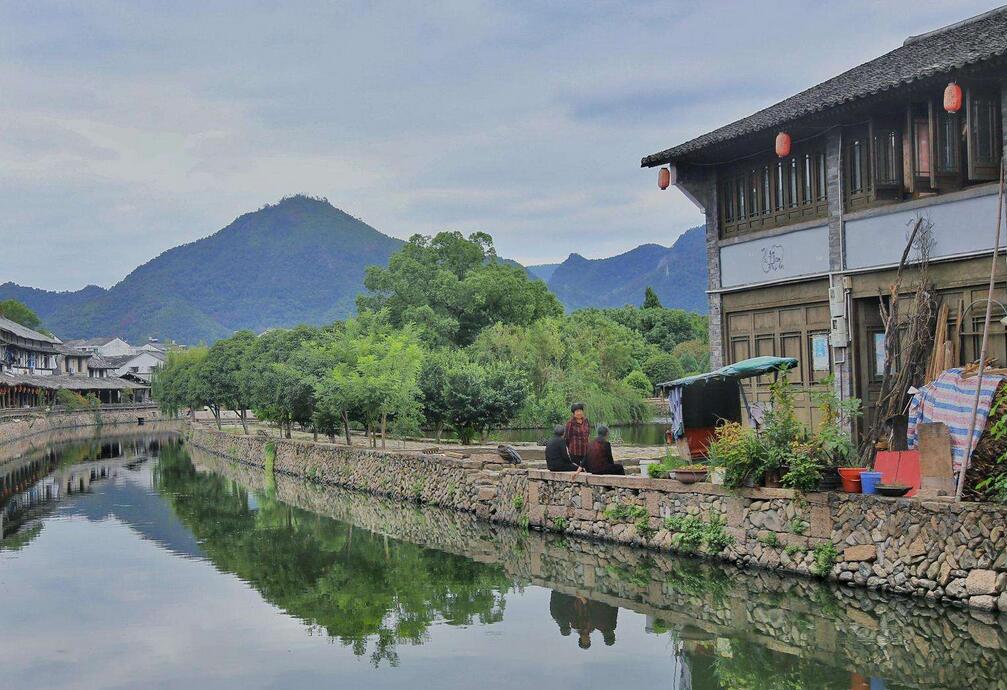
(825, 557)
(737, 449)
(639, 382)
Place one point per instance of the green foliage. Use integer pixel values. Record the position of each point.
(650, 299)
(832, 437)
(738, 450)
(450, 288)
(994, 486)
(663, 366)
(691, 532)
(73, 401)
(639, 382)
(804, 472)
(629, 512)
(178, 384)
(799, 526)
(770, 539)
(793, 550)
(825, 557)
(269, 451)
(518, 502)
(560, 523)
(479, 396)
(20, 313)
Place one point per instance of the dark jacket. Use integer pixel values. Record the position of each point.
(557, 458)
(599, 459)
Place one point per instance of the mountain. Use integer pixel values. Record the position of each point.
(677, 274)
(298, 261)
(542, 271)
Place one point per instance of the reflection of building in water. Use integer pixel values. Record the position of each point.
(48, 477)
(585, 616)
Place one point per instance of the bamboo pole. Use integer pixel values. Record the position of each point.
(986, 331)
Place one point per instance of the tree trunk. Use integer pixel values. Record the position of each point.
(215, 411)
(314, 434)
(384, 425)
(438, 428)
(286, 431)
(346, 428)
(244, 421)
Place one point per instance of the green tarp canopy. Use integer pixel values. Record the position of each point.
(746, 368)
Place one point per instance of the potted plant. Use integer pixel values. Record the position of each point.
(833, 434)
(737, 449)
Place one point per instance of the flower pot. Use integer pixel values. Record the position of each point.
(850, 478)
(691, 475)
(773, 478)
(830, 480)
(869, 482)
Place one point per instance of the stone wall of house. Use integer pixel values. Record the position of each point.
(939, 550)
(925, 644)
(13, 428)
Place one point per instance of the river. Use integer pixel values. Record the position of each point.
(131, 561)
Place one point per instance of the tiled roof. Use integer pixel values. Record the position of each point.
(23, 331)
(75, 383)
(947, 49)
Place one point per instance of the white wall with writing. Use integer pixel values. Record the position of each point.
(779, 257)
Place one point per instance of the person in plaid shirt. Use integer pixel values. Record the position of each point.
(578, 433)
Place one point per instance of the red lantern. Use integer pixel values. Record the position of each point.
(952, 97)
(783, 144)
(663, 178)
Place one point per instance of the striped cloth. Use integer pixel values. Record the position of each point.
(949, 399)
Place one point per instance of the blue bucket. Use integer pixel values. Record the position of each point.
(869, 482)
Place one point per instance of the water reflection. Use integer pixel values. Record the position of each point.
(584, 616)
(455, 601)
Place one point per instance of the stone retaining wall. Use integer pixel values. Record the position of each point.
(36, 422)
(935, 549)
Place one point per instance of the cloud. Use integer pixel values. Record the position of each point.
(137, 127)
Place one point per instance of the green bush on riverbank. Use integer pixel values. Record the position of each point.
(447, 337)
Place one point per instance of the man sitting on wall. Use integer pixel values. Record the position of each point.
(557, 457)
(578, 433)
(599, 455)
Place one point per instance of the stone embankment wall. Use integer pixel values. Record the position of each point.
(934, 549)
(13, 428)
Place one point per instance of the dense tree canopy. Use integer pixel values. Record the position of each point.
(19, 313)
(451, 288)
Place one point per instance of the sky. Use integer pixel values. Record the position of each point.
(127, 128)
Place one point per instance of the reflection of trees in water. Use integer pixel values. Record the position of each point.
(585, 616)
(349, 583)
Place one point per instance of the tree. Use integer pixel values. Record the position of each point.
(662, 366)
(281, 392)
(479, 397)
(650, 299)
(451, 287)
(433, 389)
(226, 374)
(639, 382)
(20, 313)
(178, 384)
(374, 378)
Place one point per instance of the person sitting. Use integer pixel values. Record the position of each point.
(557, 457)
(578, 434)
(599, 455)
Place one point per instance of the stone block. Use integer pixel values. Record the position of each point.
(981, 582)
(586, 497)
(861, 552)
(735, 513)
(821, 522)
(533, 493)
(983, 602)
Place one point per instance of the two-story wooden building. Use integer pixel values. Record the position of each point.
(799, 244)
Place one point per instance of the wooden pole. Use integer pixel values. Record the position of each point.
(986, 331)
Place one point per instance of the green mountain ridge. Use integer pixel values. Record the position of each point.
(303, 261)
